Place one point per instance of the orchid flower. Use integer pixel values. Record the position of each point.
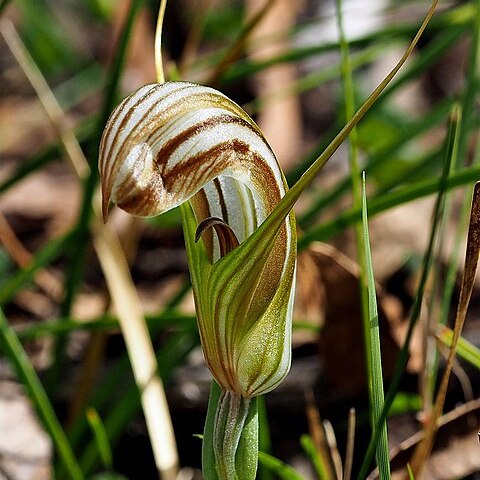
(176, 142)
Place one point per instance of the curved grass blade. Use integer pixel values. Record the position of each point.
(277, 467)
(101, 438)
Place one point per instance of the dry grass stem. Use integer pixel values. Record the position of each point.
(317, 432)
(332, 444)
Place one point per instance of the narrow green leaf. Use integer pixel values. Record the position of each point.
(465, 349)
(376, 379)
(411, 476)
(279, 468)
(208, 456)
(264, 438)
(309, 448)
(101, 438)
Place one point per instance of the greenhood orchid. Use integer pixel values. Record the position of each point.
(178, 143)
(175, 142)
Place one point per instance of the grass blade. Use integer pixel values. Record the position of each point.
(316, 459)
(375, 360)
(16, 354)
(277, 467)
(101, 438)
(401, 363)
(466, 350)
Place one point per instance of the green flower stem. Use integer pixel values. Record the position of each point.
(230, 440)
(230, 418)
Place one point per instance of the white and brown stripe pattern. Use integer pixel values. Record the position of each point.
(172, 142)
(166, 142)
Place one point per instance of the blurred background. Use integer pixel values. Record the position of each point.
(280, 60)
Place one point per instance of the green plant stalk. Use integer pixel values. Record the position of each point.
(230, 439)
(16, 354)
(234, 460)
(384, 202)
(377, 402)
(401, 363)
